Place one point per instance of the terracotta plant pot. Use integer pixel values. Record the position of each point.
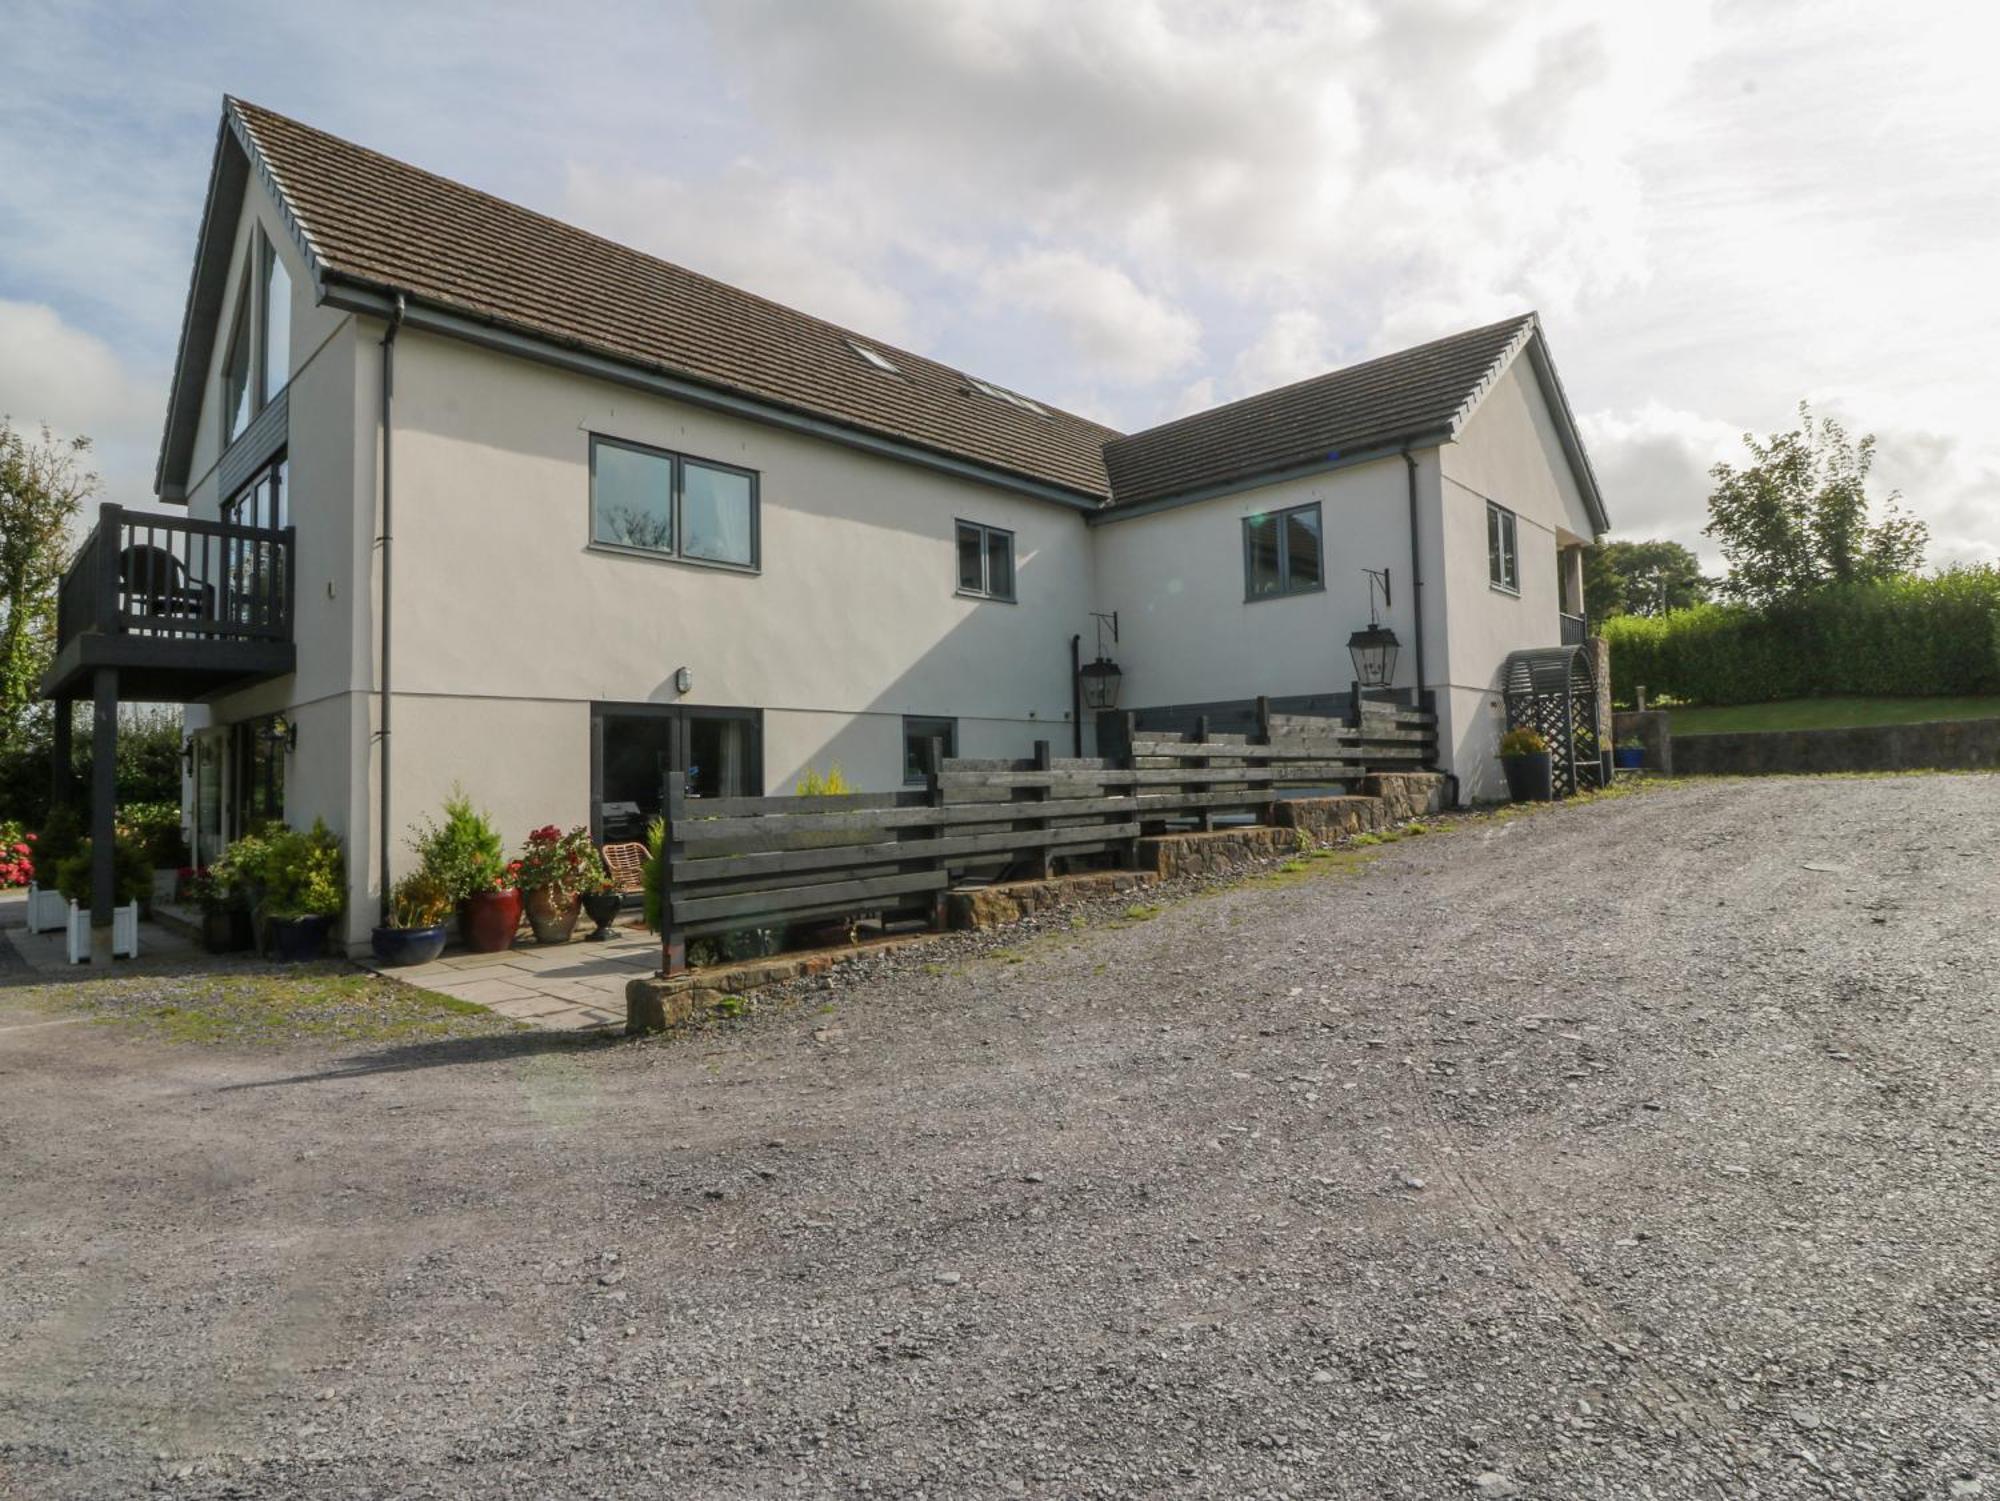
(486, 922)
(553, 923)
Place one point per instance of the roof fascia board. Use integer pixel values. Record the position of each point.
(302, 240)
(184, 393)
(355, 297)
(1373, 454)
(1532, 341)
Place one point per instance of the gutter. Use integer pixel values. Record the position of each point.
(385, 541)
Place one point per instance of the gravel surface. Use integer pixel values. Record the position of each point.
(1642, 1149)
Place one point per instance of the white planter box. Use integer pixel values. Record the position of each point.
(124, 933)
(48, 909)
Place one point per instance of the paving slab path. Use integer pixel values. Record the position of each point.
(1642, 1149)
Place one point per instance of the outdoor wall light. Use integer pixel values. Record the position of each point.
(281, 730)
(187, 754)
(683, 680)
(1100, 679)
(1374, 650)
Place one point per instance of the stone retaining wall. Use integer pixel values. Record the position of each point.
(1940, 745)
(1011, 901)
(654, 1003)
(1169, 856)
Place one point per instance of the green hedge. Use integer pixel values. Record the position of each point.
(1907, 636)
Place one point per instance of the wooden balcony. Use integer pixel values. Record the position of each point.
(181, 608)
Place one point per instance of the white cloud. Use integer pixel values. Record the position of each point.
(1117, 329)
(77, 384)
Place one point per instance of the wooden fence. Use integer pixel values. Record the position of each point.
(737, 863)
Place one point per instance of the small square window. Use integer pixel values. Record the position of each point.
(985, 561)
(1283, 553)
(718, 514)
(1503, 557)
(631, 496)
(916, 732)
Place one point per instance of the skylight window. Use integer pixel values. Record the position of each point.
(1007, 396)
(873, 356)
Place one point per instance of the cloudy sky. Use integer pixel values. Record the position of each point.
(1133, 208)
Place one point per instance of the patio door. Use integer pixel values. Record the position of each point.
(634, 746)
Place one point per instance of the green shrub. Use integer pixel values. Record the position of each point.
(1935, 635)
(1522, 742)
(61, 833)
(305, 875)
(464, 852)
(132, 877)
(157, 828)
(420, 900)
(655, 874)
(812, 784)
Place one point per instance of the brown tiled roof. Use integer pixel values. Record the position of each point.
(1375, 404)
(381, 223)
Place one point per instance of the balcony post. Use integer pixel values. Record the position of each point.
(105, 606)
(103, 808)
(61, 758)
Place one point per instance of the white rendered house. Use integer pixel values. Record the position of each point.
(475, 497)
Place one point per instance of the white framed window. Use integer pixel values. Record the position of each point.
(1503, 552)
(985, 561)
(653, 501)
(1283, 553)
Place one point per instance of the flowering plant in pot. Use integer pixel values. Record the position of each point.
(465, 854)
(415, 933)
(305, 888)
(1629, 754)
(602, 902)
(554, 871)
(17, 855)
(1524, 756)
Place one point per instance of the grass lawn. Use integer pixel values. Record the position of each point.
(1829, 714)
(325, 1003)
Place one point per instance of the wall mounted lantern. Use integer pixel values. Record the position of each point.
(279, 730)
(1100, 679)
(1374, 650)
(187, 754)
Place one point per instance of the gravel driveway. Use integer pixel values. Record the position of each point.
(1643, 1149)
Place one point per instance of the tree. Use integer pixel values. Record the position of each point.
(1641, 578)
(1797, 518)
(43, 486)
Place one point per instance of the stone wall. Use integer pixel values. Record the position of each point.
(1655, 732)
(1166, 856)
(1010, 901)
(1940, 745)
(1406, 794)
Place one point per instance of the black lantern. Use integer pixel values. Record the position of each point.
(1099, 680)
(1374, 650)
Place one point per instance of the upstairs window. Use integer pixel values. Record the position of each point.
(652, 501)
(1503, 556)
(985, 561)
(259, 361)
(236, 371)
(1282, 553)
(275, 306)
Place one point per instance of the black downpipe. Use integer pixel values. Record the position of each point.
(1416, 579)
(1076, 694)
(388, 436)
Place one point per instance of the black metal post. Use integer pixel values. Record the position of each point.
(1076, 693)
(103, 797)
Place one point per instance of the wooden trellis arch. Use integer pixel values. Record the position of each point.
(1552, 691)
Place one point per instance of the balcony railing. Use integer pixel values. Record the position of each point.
(1575, 630)
(175, 578)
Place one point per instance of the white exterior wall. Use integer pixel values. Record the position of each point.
(1190, 634)
(1508, 453)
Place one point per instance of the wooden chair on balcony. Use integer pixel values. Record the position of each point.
(152, 581)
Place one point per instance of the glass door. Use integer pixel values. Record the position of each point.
(634, 746)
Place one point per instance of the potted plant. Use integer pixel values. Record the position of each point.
(1629, 754)
(241, 876)
(225, 923)
(132, 879)
(602, 903)
(415, 933)
(48, 909)
(17, 857)
(306, 886)
(466, 855)
(554, 871)
(1524, 755)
